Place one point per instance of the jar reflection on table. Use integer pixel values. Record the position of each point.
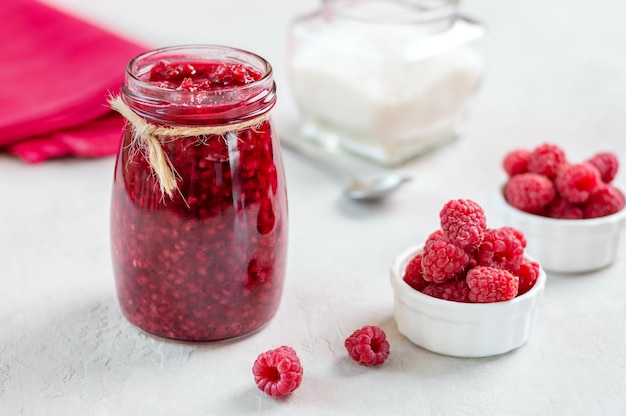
(386, 80)
(207, 263)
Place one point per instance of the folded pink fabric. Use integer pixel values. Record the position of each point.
(56, 72)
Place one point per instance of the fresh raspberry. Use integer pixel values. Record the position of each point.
(577, 181)
(563, 209)
(442, 260)
(278, 372)
(528, 274)
(607, 164)
(500, 248)
(608, 200)
(488, 284)
(473, 262)
(413, 275)
(463, 222)
(545, 159)
(516, 162)
(530, 192)
(517, 233)
(453, 290)
(368, 346)
(435, 235)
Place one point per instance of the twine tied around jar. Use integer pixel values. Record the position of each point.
(148, 136)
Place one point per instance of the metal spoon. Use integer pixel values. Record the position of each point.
(360, 189)
(375, 188)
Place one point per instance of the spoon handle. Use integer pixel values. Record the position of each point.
(326, 163)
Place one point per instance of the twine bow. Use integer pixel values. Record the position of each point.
(149, 136)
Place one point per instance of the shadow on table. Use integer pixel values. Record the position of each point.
(87, 356)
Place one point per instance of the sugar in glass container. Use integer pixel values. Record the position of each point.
(199, 205)
(386, 80)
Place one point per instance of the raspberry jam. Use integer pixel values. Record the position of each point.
(206, 262)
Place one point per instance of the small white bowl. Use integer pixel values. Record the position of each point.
(462, 329)
(568, 246)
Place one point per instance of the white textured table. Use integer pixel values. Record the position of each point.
(557, 73)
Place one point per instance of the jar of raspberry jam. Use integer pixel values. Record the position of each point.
(199, 205)
(385, 80)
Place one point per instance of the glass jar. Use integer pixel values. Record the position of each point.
(386, 80)
(200, 256)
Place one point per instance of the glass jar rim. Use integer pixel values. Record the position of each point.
(154, 102)
(405, 12)
(186, 53)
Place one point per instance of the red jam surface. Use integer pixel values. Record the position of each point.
(207, 264)
(201, 76)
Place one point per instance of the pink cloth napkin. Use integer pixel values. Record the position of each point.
(56, 72)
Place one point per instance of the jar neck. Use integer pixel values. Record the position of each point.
(432, 15)
(222, 106)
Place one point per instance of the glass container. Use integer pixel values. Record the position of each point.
(199, 206)
(385, 79)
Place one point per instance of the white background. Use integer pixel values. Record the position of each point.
(557, 73)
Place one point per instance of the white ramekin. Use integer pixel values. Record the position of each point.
(462, 329)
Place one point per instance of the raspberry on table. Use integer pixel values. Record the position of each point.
(607, 164)
(368, 346)
(278, 372)
(527, 274)
(501, 248)
(463, 222)
(453, 290)
(545, 160)
(442, 260)
(489, 284)
(606, 201)
(516, 162)
(413, 274)
(530, 192)
(575, 182)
